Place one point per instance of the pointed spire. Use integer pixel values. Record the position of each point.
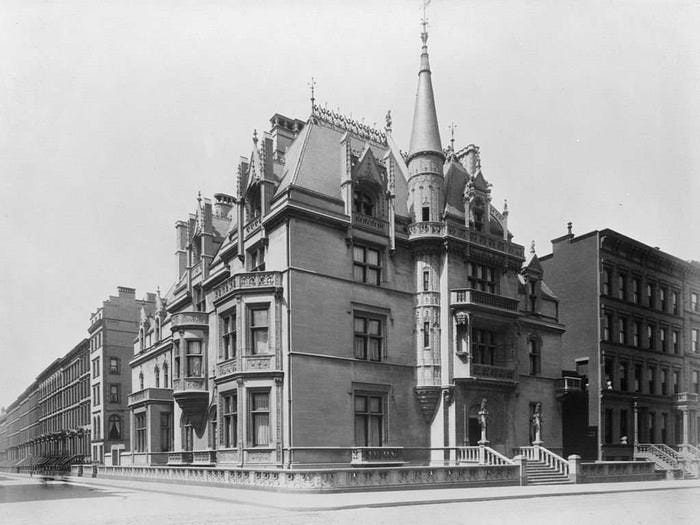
(425, 135)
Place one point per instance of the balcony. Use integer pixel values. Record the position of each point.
(468, 297)
(149, 395)
(378, 456)
(491, 372)
(191, 393)
(686, 398)
(197, 320)
(262, 281)
(425, 230)
(369, 223)
(246, 363)
(568, 385)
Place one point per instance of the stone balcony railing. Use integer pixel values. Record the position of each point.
(470, 297)
(180, 458)
(419, 230)
(247, 363)
(248, 281)
(377, 456)
(566, 385)
(189, 320)
(150, 394)
(252, 226)
(370, 223)
(686, 397)
(189, 384)
(499, 373)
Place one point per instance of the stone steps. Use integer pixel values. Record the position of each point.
(538, 473)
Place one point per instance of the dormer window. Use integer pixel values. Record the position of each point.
(477, 215)
(253, 203)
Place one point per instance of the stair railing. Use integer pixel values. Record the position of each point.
(657, 454)
(690, 451)
(553, 460)
(468, 454)
(493, 457)
(668, 450)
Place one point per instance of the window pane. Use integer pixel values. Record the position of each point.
(372, 276)
(358, 273)
(260, 401)
(360, 431)
(375, 404)
(360, 404)
(375, 349)
(259, 317)
(358, 254)
(260, 341)
(374, 439)
(194, 366)
(360, 325)
(194, 347)
(373, 257)
(359, 347)
(374, 327)
(261, 429)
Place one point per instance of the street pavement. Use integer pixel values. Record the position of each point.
(79, 501)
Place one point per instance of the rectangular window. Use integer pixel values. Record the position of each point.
(623, 373)
(482, 277)
(636, 329)
(624, 419)
(140, 424)
(535, 356)
(426, 280)
(165, 432)
(369, 337)
(229, 439)
(96, 395)
(694, 337)
(694, 305)
(622, 330)
(609, 372)
(676, 341)
(426, 335)
(635, 290)
(194, 358)
(651, 340)
(662, 298)
(366, 265)
(676, 381)
(674, 302)
(369, 420)
(652, 379)
(608, 425)
(259, 329)
(484, 346)
(114, 393)
(426, 214)
(622, 286)
(664, 382)
(228, 336)
(96, 367)
(113, 365)
(607, 281)
(637, 378)
(663, 338)
(259, 403)
(607, 327)
(651, 295)
(696, 382)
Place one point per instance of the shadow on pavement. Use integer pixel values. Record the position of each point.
(50, 490)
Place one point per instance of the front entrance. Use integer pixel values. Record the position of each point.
(474, 431)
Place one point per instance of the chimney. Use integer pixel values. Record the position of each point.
(181, 244)
(223, 205)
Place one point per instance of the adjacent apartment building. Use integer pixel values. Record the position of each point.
(633, 319)
(348, 304)
(113, 327)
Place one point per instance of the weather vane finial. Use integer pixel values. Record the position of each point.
(452, 127)
(424, 22)
(312, 85)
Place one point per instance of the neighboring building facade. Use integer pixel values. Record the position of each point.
(632, 320)
(350, 304)
(112, 330)
(22, 427)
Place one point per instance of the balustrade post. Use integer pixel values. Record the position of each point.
(521, 461)
(575, 468)
(482, 454)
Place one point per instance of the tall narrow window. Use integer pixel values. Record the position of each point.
(166, 382)
(176, 359)
(366, 265)
(194, 358)
(426, 280)
(115, 427)
(694, 340)
(535, 356)
(114, 393)
(607, 327)
(662, 299)
(259, 329)
(426, 214)
(624, 419)
(694, 304)
(156, 374)
(676, 381)
(113, 365)
(652, 379)
(663, 338)
(675, 336)
(622, 330)
(140, 424)
(635, 290)
(674, 302)
(696, 382)
(607, 280)
(260, 418)
(651, 295)
(369, 337)
(369, 420)
(623, 373)
(230, 421)
(636, 329)
(664, 382)
(621, 286)
(166, 431)
(484, 346)
(228, 336)
(637, 378)
(651, 339)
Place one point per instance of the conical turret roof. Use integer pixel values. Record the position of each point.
(425, 134)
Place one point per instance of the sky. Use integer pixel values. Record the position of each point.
(113, 115)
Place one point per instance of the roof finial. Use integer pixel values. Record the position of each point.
(255, 136)
(424, 23)
(199, 198)
(452, 127)
(569, 225)
(312, 85)
(505, 206)
(158, 290)
(532, 247)
(388, 120)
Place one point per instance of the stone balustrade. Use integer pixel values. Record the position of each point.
(500, 373)
(247, 363)
(183, 320)
(370, 223)
(469, 297)
(376, 455)
(247, 281)
(184, 384)
(150, 394)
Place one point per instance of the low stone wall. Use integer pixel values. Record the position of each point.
(321, 480)
(612, 471)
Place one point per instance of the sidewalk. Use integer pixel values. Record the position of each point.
(353, 500)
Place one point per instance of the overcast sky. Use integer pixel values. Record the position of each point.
(113, 115)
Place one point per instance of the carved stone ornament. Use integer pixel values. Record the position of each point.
(427, 398)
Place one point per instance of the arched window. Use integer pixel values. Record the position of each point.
(115, 428)
(156, 373)
(157, 328)
(166, 383)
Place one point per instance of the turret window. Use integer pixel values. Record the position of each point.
(363, 203)
(426, 214)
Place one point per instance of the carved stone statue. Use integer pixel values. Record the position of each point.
(483, 421)
(537, 424)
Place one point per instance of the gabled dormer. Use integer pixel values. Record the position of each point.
(531, 274)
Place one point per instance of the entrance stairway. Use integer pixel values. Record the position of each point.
(539, 473)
